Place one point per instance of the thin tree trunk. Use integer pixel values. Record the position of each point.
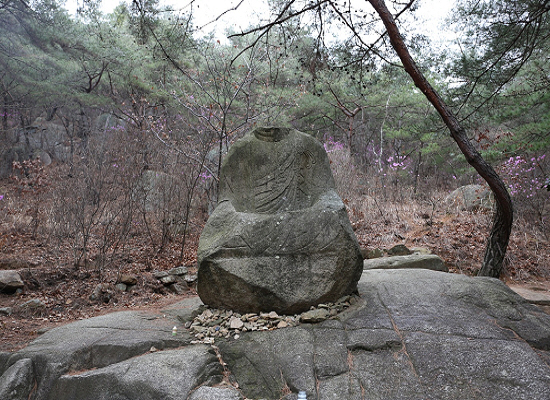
(382, 133)
(493, 262)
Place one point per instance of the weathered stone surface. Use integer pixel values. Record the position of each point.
(471, 198)
(95, 343)
(413, 334)
(214, 393)
(280, 238)
(190, 278)
(106, 122)
(155, 187)
(418, 334)
(265, 362)
(424, 261)
(163, 375)
(103, 292)
(42, 138)
(168, 280)
(10, 281)
(121, 286)
(185, 310)
(17, 381)
(236, 323)
(160, 274)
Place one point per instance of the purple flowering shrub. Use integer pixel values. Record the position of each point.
(523, 177)
(526, 179)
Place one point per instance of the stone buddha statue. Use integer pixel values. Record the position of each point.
(280, 238)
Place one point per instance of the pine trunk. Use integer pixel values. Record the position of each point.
(493, 261)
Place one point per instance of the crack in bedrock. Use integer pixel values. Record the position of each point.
(400, 334)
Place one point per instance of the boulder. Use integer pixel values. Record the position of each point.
(280, 238)
(424, 261)
(399, 250)
(178, 289)
(44, 139)
(471, 198)
(372, 253)
(108, 122)
(10, 281)
(44, 157)
(45, 136)
(163, 375)
(95, 343)
(128, 279)
(190, 278)
(122, 287)
(6, 311)
(103, 292)
(413, 334)
(32, 307)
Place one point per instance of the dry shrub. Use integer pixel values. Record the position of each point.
(122, 185)
(384, 216)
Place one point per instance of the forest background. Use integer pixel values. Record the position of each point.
(143, 108)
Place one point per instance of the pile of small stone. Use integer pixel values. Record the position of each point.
(177, 280)
(215, 323)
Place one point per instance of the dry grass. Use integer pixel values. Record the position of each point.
(457, 236)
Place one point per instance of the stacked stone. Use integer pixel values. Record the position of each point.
(215, 323)
(127, 282)
(177, 280)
